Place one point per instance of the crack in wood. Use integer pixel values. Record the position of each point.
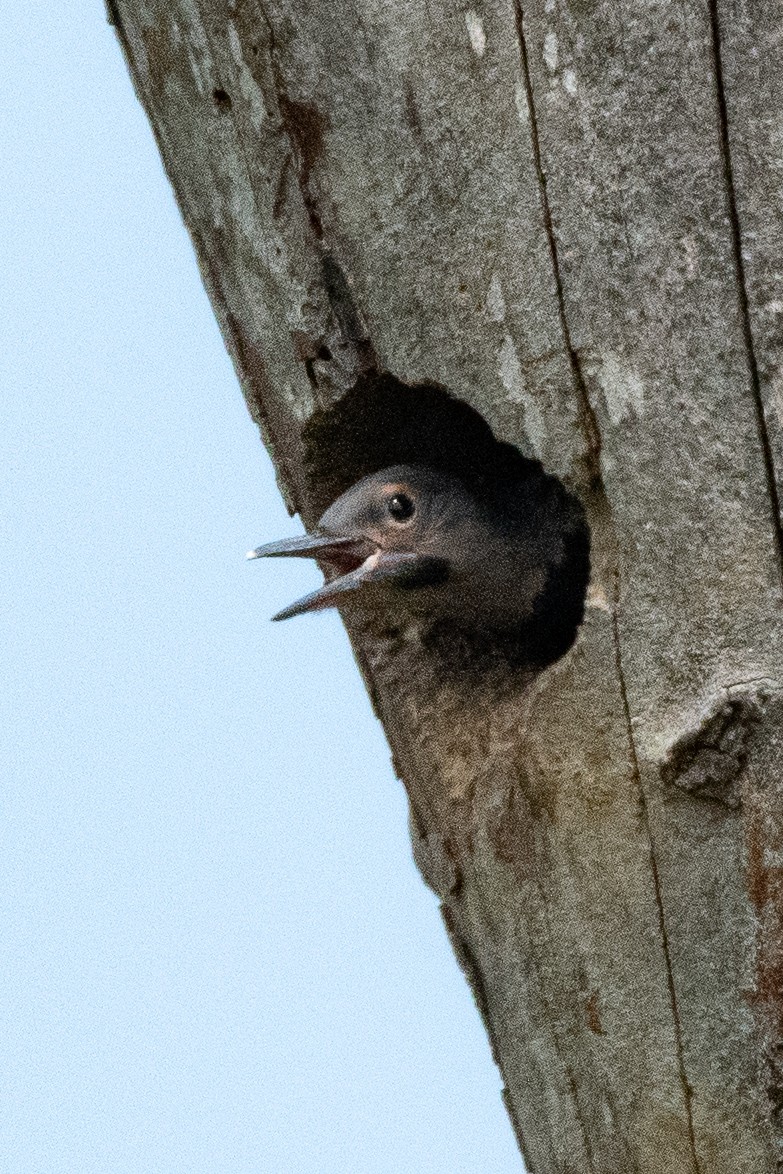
(588, 420)
(656, 878)
(742, 288)
(572, 1085)
(593, 439)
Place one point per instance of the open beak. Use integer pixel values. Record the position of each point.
(361, 561)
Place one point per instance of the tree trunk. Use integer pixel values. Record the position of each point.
(569, 215)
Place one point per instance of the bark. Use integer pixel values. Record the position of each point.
(569, 215)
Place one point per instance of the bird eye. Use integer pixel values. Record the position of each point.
(401, 507)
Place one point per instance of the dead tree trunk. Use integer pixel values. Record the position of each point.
(569, 215)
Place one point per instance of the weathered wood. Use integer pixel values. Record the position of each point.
(562, 214)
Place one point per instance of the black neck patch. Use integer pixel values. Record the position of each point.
(425, 572)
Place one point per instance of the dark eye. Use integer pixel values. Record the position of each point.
(401, 507)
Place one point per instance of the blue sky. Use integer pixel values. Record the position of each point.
(217, 955)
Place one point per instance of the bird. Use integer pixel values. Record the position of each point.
(505, 566)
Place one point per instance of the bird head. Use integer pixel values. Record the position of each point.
(417, 539)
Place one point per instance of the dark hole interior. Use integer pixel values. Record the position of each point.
(383, 422)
